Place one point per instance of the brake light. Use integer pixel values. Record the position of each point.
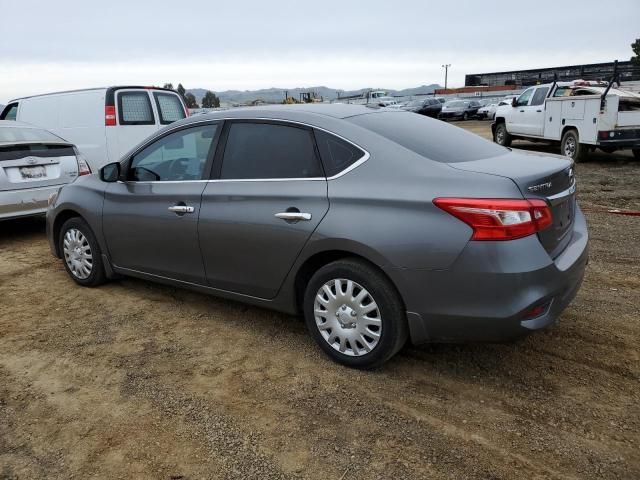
(110, 115)
(499, 219)
(83, 166)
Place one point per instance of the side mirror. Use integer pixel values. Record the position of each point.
(514, 102)
(110, 172)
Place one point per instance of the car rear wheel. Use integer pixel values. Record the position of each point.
(355, 314)
(465, 116)
(636, 153)
(81, 253)
(571, 147)
(502, 137)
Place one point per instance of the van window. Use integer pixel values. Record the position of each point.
(10, 112)
(181, 155)
(264, 150)
(336, 154)
(169, 107)
(135, 108)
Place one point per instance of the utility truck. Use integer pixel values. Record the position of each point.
(378, 98)
(579, 115)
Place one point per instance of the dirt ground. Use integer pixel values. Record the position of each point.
(137, 380)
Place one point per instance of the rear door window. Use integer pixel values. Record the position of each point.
(10, 112)
(170, 108)
(539, 96)
(135, 108)
(337, 155)
(269, 150)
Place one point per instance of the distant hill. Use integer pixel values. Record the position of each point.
(273, 95)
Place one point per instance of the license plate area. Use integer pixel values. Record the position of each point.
(33, 173)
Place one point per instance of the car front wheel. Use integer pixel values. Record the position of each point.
(355, 314)
(81, 253)
(636, 153)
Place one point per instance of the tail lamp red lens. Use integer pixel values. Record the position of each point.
(110, 115)
(499, 219)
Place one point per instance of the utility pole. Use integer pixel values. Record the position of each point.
(446, 72)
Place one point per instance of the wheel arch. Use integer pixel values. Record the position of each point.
(60, 219)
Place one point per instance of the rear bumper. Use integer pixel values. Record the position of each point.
(623, 138)
(486, 294)
(25, 202)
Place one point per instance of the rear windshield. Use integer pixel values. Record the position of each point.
(169, 106)
(18, 134)
(430, 138)
(135, 108)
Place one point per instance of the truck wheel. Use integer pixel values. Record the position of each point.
(571, 147)
(636, 153)
(501, 136)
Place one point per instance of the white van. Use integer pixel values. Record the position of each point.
(103, 123)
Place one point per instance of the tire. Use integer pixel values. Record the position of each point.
(636, 153)
(570, 146)
(465, 116)
(333, 331)
(85, 271)
(502, 136)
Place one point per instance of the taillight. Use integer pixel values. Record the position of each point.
(83, 166)
(499, 219)
(110, 115)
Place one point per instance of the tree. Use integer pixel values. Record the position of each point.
(168, 85)
(190, 100)
(636, 49)
(181, 91)
(210, 100)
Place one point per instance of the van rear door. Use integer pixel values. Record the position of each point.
(138, 113)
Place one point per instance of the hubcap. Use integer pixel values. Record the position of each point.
(77, 253)
(347, 317)
(500, 135)
(570, 147)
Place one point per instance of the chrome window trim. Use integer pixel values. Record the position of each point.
(351, 167)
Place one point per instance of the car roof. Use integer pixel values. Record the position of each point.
(291, 112)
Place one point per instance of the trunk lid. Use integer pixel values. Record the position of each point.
(543, 176)
(31, 165)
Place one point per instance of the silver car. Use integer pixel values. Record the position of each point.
(34, 163)
(377, 225)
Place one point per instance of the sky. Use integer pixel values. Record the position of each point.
(49, 46)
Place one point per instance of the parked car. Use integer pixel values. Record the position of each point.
(424, 106)
(34, 163)
(580, 115)
(488, 111)
(377, 225)
(459, 109)
(104, 123)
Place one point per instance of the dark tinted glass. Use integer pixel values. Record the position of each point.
(539, 96)
(178, 156)
(10, 112)
(263, 150)
(336, 154)
(430, 138)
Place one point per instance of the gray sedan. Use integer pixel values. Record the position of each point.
(377, 226)
(34, 163)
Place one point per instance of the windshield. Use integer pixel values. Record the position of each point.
(416, 103)
(435, 140)
(19, 134)
(456, 104)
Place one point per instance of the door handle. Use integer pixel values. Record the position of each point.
(293, 216)
(182, 209)
(521, 111)
(539, 111)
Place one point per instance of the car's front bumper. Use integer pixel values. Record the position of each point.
(486, 294)
(447, 115)
(25, 202)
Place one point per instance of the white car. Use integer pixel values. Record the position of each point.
(34, 164)
(488, 111)
(104, 123)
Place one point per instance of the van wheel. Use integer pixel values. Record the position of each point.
(571, 147)
(355, 314)
(502, 137)
(636, 153)
(81, 253)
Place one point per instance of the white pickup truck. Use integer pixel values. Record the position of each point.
(378, 98)
(580, 115)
